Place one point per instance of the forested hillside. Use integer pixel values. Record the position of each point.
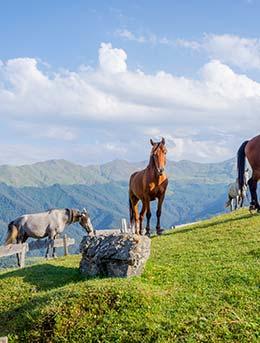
(195, 191)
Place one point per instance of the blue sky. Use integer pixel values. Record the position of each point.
(91, 81)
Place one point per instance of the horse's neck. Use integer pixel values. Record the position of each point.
(69, 215)
(151, 164)
(151, 168)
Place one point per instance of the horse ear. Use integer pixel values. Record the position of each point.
(163, 141)
(84, 211)
(151, 141)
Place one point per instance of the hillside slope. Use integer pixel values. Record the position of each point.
(107, 203)
(201, 284)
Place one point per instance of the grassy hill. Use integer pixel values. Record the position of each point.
(201, 284)
(66, 173)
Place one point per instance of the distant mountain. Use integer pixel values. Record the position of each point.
(210, 173)
(66, 173)
(108, 203)
(195, 191)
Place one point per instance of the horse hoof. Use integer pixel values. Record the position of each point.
(252, 208)
(148, 234)
(159, 232)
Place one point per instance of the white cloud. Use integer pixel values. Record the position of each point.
(231, 49)
(109, 92)
(188, 44)
(130, 36)
(18, 154)
(150, 38)
(113, 95)
(238, 51)
(198, 150)
(185, 144)
(112, 60)
(51, 131)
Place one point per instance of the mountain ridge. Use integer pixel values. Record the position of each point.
(47, 173)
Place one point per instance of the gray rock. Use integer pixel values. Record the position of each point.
(116, 255)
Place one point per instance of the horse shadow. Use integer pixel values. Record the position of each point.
(41, 278)
(45, 276)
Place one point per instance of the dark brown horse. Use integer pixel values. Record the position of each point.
(147, 185)
(251, 150)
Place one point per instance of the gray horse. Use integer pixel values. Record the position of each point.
(235, 196)
(46, 224)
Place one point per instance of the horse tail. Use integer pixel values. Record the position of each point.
(131, 211)
(241, 160)
(228, 203)
(12, 233)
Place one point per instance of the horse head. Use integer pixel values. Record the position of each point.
(85, 222)
(158, 154)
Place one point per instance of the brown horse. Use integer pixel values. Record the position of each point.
(251, 150)
(147, 185)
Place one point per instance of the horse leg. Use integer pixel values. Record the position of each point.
(254, 205)
(241, 201)
(21, 239)
(148, 217)
(158, 214)
(131, 210)
(141, 216)
(134, 202)
(49, 246)
(54, 255)
(47, 255)
(236, 202)
(18, 255)
(230, 202)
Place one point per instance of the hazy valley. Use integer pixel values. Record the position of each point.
(195, 190)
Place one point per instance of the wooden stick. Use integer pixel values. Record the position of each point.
(65, 242)
(12, 249)
(124, 225)
(22, 256)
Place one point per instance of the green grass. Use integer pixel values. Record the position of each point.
(201, 284)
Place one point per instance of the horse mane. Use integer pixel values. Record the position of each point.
(50, 210)
(69, 212)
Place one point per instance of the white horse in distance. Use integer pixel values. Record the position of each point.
(235, 196)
